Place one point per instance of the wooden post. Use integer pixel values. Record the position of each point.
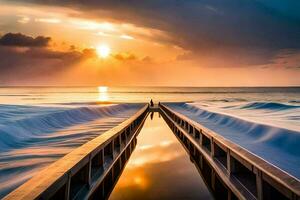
(230, 163)
(213, 180)
(212, 147)
(194, 132)
(201, 162)
(90, 171)
(229, 194)
(113, 149)
(102, 159)
(68, 185)
(259, 185)
(201, 138)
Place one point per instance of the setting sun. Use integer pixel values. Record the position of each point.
(103, 51)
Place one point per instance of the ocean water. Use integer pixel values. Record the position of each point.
(38, 125)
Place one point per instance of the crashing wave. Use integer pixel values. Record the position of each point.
(269, 106)
(19, 124)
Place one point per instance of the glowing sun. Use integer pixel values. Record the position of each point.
(103, 51)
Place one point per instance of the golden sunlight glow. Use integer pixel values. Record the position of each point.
(103, 96)
(126, 37)
(103, 51)
(48, 20)
(102, 89)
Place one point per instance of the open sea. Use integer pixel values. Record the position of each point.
(38, 125)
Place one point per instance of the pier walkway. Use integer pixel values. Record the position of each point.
(154, 108)
(93, 170)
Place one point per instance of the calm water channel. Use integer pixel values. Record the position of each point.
(159, 168)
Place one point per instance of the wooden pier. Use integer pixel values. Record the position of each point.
(229, 170)
(91, 171)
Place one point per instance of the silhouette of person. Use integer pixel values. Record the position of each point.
(151, 103)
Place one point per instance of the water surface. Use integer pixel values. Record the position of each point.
(38, 125)
(159, 168)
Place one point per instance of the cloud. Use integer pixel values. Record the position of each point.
(124, 56)
(202, 26)
(147, 59)
(185, 56)
(134, 59)
(197, 25)
(286, 59)
(30, 63)
(48, 20)
(126, 37)
(23, 19)
(18, 39)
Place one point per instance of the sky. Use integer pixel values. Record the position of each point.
(150, 42)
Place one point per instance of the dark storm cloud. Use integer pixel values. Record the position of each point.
(201, 25)
(18, 39)
(30, 60)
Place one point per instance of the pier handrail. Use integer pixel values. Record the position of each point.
(58, 174)
(261, 167)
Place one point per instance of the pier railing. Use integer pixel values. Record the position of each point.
(228, 169)
(90, 171)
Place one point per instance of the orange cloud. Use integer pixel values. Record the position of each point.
(124, 56)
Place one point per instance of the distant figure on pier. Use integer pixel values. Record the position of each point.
(151, 103)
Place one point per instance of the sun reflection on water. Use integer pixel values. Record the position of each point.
(103, 94)
(157, 162)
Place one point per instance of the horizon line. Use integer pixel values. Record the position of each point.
(148, 86)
